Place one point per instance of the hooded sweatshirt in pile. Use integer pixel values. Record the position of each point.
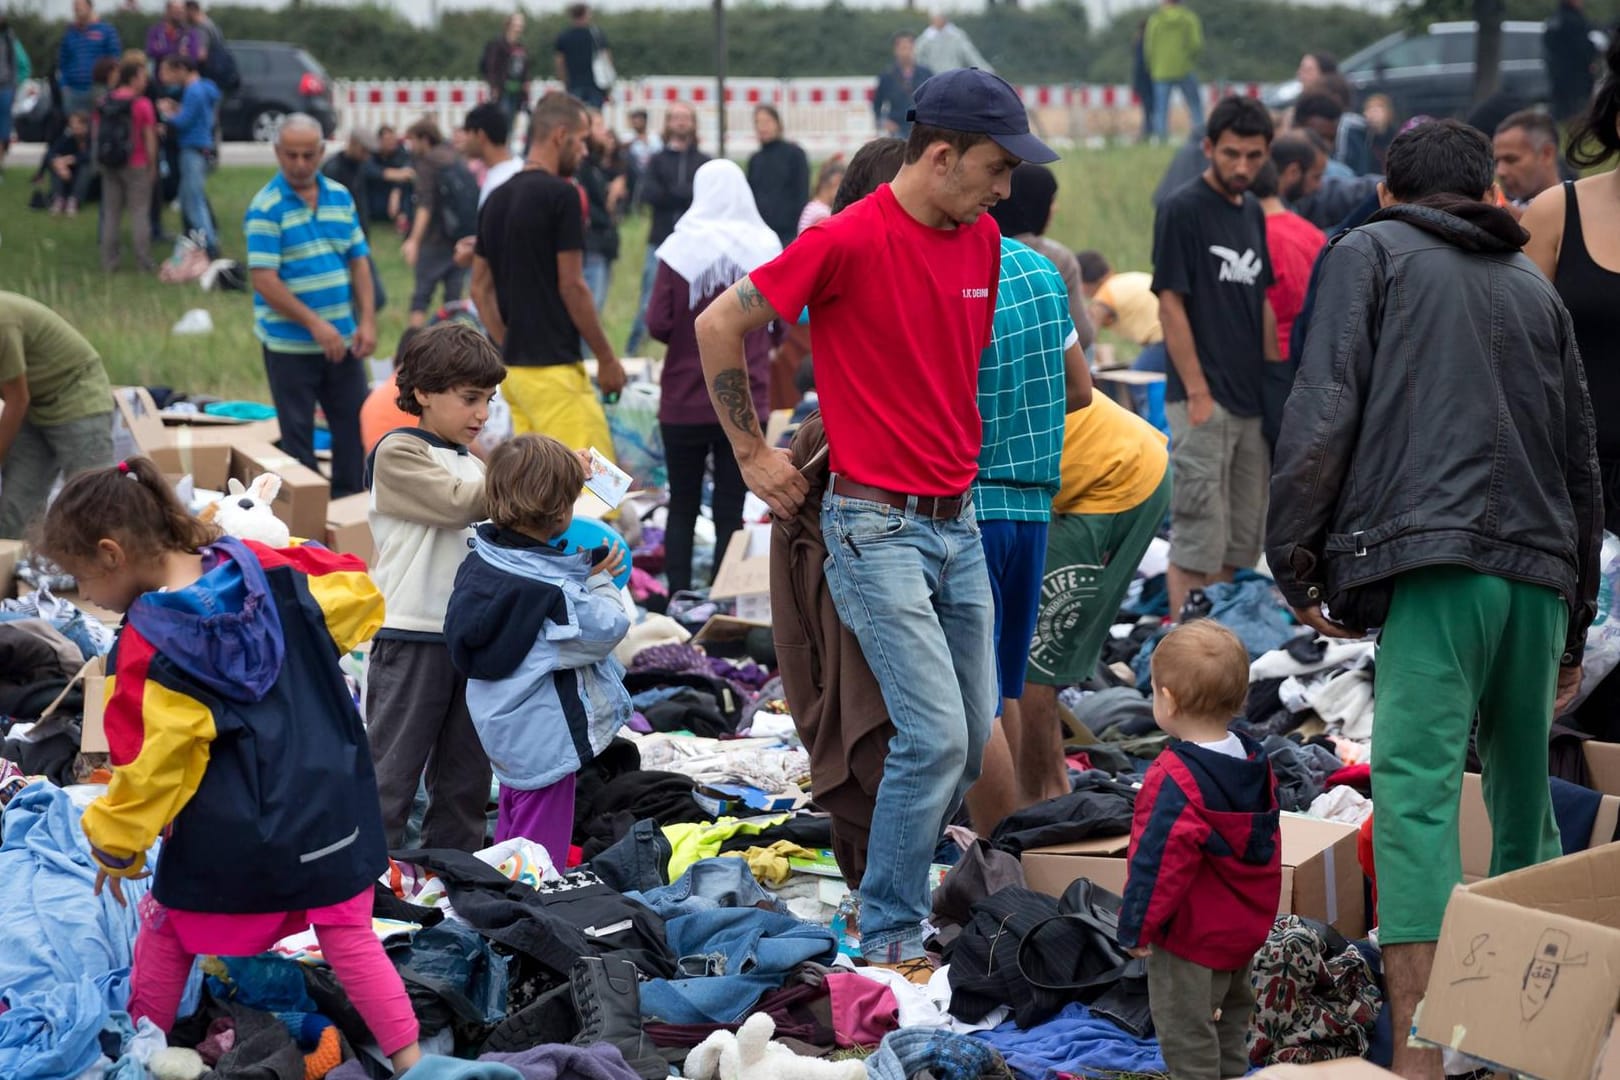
(1205, 859)
(534, 632)
(229, 719)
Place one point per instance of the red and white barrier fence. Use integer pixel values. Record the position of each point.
(824, 115)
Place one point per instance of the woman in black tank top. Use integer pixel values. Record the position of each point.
(1592, 295)
(1562, 225)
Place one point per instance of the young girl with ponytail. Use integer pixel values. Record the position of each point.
(232, 733)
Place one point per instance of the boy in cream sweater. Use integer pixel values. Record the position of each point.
(427, 491)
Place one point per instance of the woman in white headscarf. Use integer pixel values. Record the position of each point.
(717, 241)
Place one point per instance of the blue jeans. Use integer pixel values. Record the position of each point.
(1188, 85)
(916, 593)
(727, 958)
(598, 277)
(706, 885)
(638, 329)
(194, 196)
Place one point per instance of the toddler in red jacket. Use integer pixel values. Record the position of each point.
(1205, 860)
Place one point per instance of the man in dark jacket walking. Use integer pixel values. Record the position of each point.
(666, 186)
(1476, 550)
(1567, 49)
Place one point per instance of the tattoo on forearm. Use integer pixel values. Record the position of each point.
(748, 297)
(736, 399)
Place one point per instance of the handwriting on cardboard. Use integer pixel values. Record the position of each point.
(1553, 952)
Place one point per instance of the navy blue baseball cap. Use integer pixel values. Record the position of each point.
(978, 102)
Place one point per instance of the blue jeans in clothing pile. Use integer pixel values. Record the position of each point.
(708, 885)
(728, 959)
(915, 591)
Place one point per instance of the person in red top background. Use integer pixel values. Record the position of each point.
(901, 289)
(1205, 869)
(1293, 173)
(128, 186)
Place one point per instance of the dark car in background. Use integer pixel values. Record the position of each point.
(1432, 72)
(277, 79)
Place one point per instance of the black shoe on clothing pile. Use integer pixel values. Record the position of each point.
(607, 997)
(549, 1018)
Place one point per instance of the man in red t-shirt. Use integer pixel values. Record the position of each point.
(901, 289)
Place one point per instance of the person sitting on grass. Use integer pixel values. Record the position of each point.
(68, 162)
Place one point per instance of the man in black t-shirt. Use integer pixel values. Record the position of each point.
(1211, 270)
(577, 49)
(529, 284)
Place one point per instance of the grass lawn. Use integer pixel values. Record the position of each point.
(1103, 204)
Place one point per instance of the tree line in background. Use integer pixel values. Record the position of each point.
(1246, 39)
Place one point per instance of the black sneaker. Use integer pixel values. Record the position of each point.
(1197, 606)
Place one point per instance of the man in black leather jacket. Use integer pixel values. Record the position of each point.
(1436, 476)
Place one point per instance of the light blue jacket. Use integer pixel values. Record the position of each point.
(534, 632)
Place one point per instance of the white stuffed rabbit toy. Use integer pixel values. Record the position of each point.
(751, 1055)
(245, 512)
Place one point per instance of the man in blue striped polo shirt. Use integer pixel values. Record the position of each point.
(312, 302)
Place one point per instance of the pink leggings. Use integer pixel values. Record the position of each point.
(162, 965)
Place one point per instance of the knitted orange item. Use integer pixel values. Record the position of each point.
(325, 1057)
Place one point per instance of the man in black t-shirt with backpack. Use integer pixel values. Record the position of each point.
(446, 211)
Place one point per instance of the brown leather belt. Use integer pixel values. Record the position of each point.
(928, 506)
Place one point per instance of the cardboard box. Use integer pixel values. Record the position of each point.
(304, 494)
(93, 738)
(1342, 1069)
(1603, 762)
(11, 553)
(741, 800)
(776, 425)
(1527, 970)
(348, 527)
(1321, 877)
(204, 454)
(1474, 827)
(745, 574)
